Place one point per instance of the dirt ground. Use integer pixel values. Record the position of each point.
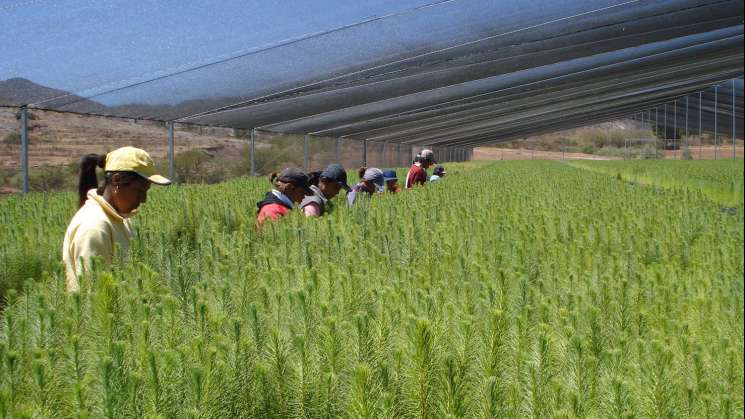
(61, 138)
(706, 152)
(493, 153)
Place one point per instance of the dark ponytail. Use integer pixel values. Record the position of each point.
(88, 179)
(361, 172)
(314, 177)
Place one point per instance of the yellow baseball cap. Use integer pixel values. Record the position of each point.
(132, 159)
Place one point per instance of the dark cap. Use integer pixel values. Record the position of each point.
(295, 177)
(336, 173)
(389, 174)
(439, 171)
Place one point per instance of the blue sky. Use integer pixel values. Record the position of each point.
(92, 46)
(77, 45)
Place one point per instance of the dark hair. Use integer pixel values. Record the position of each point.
(273, 177)
(87, 179)
(361, 172)
(314, 177)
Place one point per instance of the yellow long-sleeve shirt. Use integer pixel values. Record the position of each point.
(93, 231)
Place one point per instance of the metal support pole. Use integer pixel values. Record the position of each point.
(675, 128)
(625, 149)
(563, 149)
(734, 105)
(686, 143)
(716, 111)
(664, 123)
(364, 153)
(24, 148)
(700, 129)
(656, 122)
(338, 151)
(171, 153)
(253, 152)
(385, 154)
(306, 147)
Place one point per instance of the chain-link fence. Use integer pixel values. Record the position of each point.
(187, 153)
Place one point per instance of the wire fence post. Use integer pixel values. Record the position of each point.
(252, 149)
(734, 106)
(338, 151)
(306, 146)
(24, 148)
(716, 111)
(398, 153)
(385, 153)
(364, 153)
(171, 151)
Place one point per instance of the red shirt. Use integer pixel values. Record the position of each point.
(416, 176)
(272, 212)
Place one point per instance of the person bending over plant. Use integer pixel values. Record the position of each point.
(437, 174)
(325, 185)
(417, 174)
(391, 181)
(290, 187)
(102, 219)
(371, 181)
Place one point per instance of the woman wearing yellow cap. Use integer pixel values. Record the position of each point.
(102, 218)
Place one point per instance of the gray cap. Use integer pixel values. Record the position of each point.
(375, 176)
(336, 173)
(427, 154)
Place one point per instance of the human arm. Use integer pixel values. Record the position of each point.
(312, 210)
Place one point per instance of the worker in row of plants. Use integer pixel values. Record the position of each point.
(102, 219)
(325, 186)
(437, 174)
(391, 181)
(291, 186)
(371, 181)
(417, 174)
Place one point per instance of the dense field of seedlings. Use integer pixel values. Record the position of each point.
(720, 180)
(507, 290)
